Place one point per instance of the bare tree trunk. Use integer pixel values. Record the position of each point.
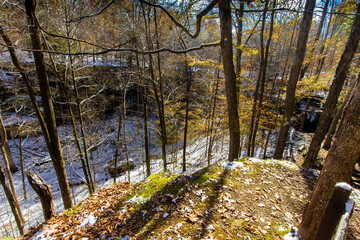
(118, 134)
(187, 101)
(43, 190)
(331, 132)
(12, 202)
(161, 98)
(20, 146)
(258, 83)
(294, 76)
(335, 89)
(311, 51)
(3, 143)
(144, 100)
(12, 165)
(338, 167)
(158, 96)
(64, 89)
(188, 87)
(49, 115)
(321, 60)
(263, 79)
(82, 131)
(22, 166)
(238, 54)
(144, 94)
(212, 117)
(282, 82)
(230, 78)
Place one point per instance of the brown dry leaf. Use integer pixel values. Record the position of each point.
(251, 229)
(193, 217)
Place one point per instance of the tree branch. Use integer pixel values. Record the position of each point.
(92, 15)
(199, 16)
(108, 50)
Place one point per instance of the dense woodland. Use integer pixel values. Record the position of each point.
(244, 74)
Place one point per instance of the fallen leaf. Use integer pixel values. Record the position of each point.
(193, 218)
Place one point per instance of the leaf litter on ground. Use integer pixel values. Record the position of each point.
(245, 199)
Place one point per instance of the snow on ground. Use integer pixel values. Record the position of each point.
(36, 158)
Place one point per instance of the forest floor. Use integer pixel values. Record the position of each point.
(254, 199)
(246, 199)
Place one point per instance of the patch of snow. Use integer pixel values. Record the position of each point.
(281, 229)
(210, 227)
(344, 185)
(291, 235)
(90, 220)
(178, 226)
(42, 234)
(199, 192)
(232, 165)
(165, 215)
(138, 200)
(203, 198)
(210, 180)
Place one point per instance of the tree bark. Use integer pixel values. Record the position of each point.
(230, 78)
(212, 116)
(158, 96)
(118, 133)
(334, 122)
(263, 77)
(338, 167)
(335, 89)
(310, 54)
(12, 202)
(3, 142)
(144, 94)
(12, 165)
(250, 148)
(188, 87)
(49, 115)
(239, 33)
(161, 98)
(43, 190)
(294, 76)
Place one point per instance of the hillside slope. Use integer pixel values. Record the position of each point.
(246, 199)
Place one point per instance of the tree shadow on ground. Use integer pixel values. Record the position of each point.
(310, 177)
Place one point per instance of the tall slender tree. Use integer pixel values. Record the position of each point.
(230, 78)
(10, 192)
(294, 77)
(53, 143)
